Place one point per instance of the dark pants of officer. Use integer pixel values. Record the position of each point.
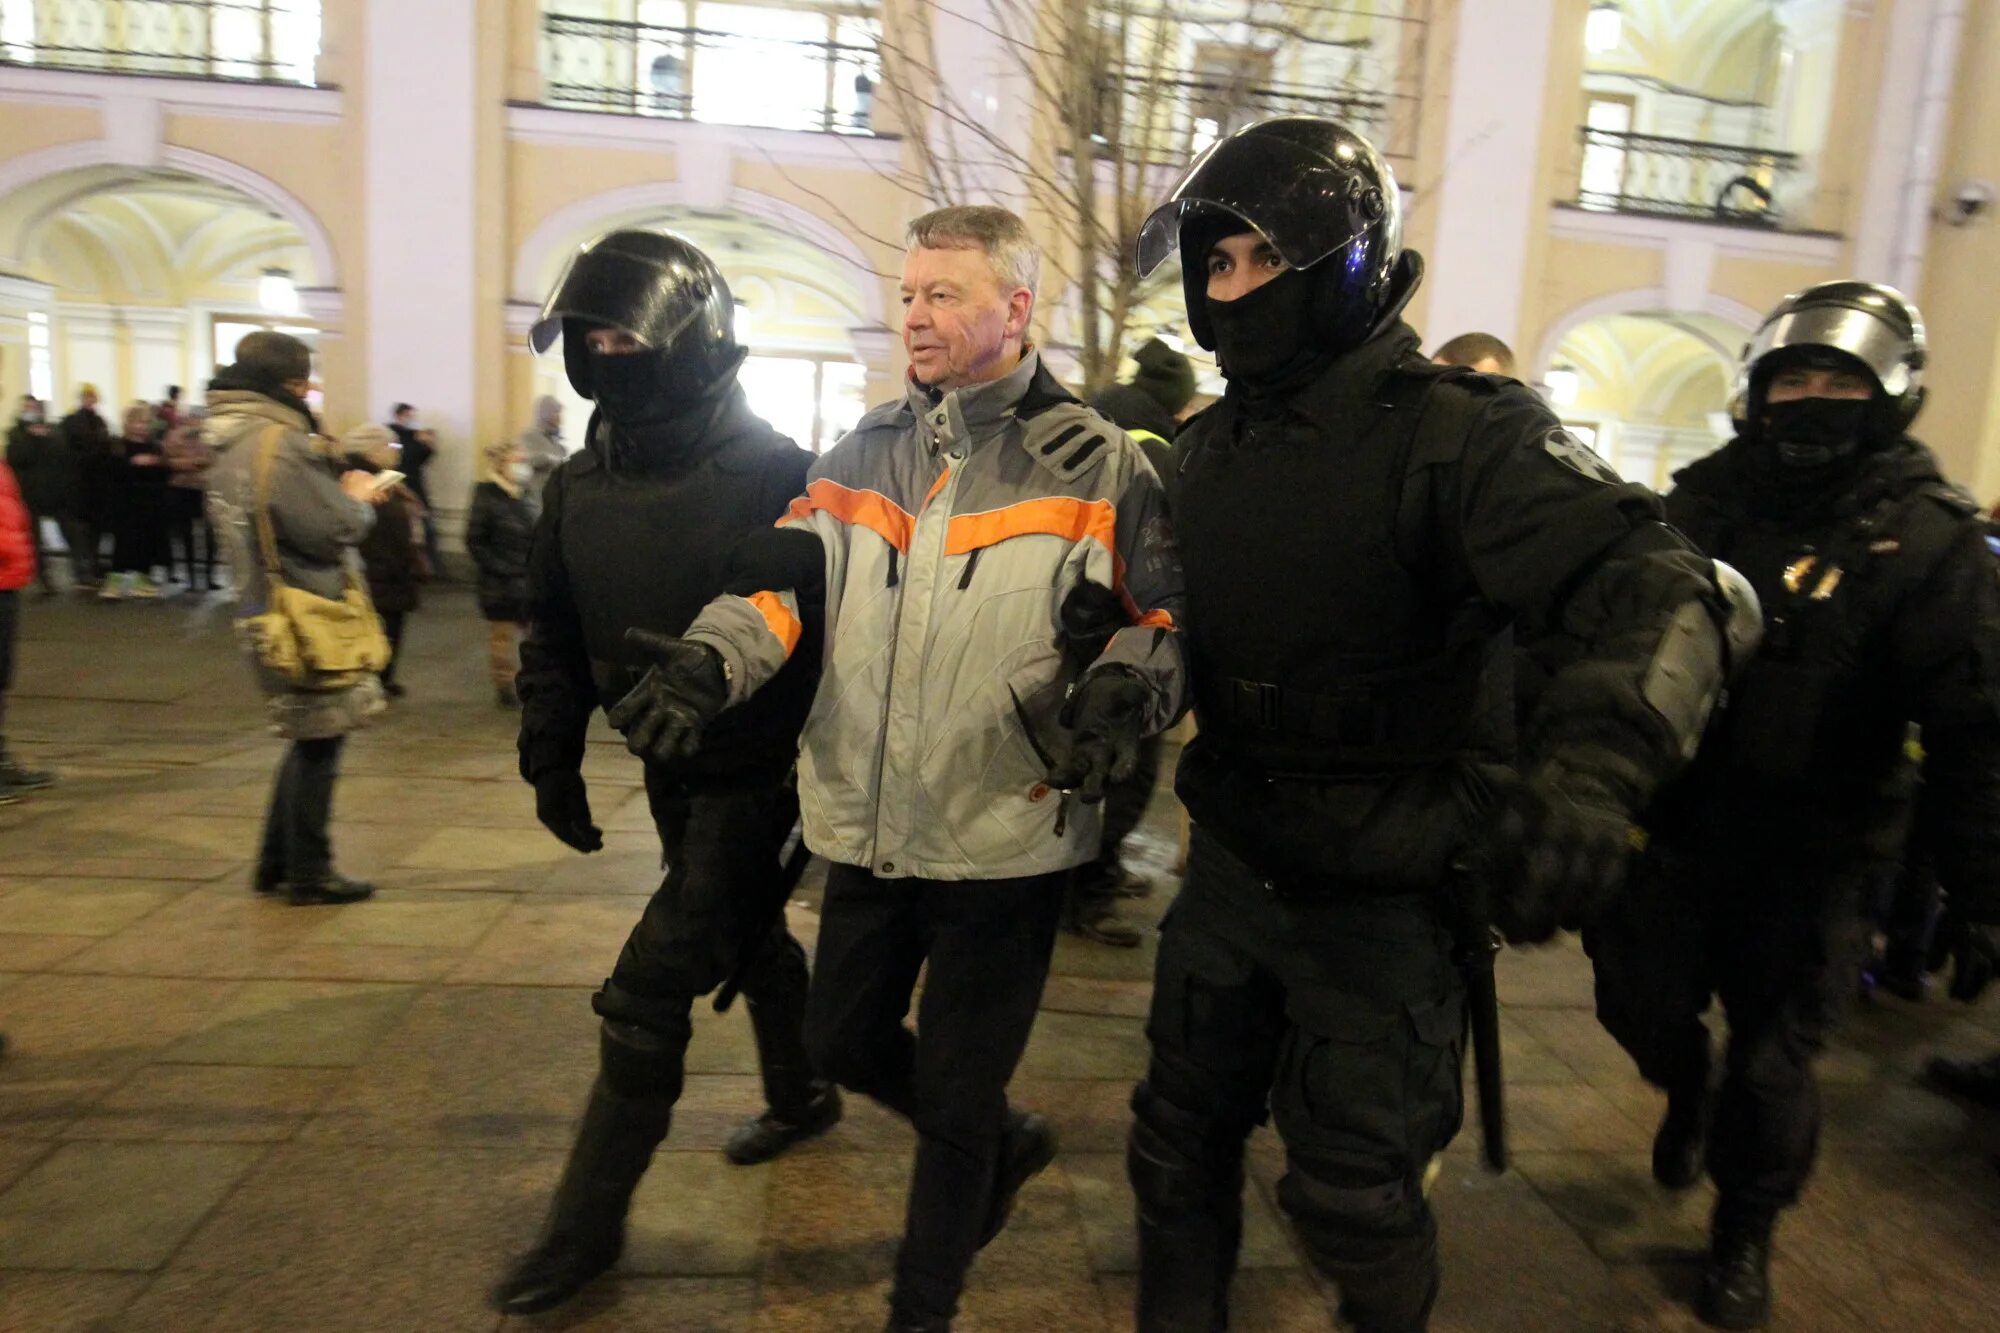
(716, 910)
(1345, 1016)
(987, 944)
(1778, 941)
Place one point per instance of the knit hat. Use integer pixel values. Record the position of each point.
(1164, 375)
(370, 444)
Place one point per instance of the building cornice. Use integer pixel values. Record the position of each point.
(1652, 233)
(558, 127)
(226, 98)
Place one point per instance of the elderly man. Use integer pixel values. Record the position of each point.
(1001, 594)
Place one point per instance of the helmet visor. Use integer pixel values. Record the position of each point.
(651, 299)
(1859, 333)
(1308, 201)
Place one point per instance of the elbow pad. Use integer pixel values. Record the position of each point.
(1706, 642)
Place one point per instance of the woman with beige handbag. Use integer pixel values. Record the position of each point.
(291, 513)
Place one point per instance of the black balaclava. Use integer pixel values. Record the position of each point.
(1811, 447)
(655, 403)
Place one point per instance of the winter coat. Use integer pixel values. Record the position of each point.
(499, 532)
(316, 527)
(17, 540)
(99, 471)
(953, 529)
(44, 468)
(392, 552)
(416, 456)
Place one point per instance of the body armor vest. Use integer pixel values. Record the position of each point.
(651, 547)
(1335, 629)
(1817, 708)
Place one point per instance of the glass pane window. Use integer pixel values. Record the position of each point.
(41, 361)
(843, 398)
(781, 390)
(760, 66)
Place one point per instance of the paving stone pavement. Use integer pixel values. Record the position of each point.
(221, 1113)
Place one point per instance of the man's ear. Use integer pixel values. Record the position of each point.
(1020, 308)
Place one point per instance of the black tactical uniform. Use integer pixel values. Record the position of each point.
(1359, 528)
(636, 535)
(1882, 608)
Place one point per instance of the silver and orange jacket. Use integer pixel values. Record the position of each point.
(953, 527)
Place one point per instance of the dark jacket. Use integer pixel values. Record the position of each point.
(1881, 609)
(416, 457)
(1357, 550)
(98, 470)
(499, 532)
(45, 468)
(392, 552)
(625, 543)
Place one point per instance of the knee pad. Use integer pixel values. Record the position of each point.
(642, 1048)
(1179, 1161)
(1338, 1219)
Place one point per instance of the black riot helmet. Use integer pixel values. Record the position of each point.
(665, 292)
(1844, 324)
(1319, 193)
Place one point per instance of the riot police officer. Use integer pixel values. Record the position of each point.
(1882, 609)
(636, 535)
(1360, 527)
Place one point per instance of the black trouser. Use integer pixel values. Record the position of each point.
(296, 847)
(1777, 940)
(187, 516)
(1096, 881)
(718, 909)
(10, 628)
(139, 541)
(392, 629)
(1344, 1015)
(988, 944)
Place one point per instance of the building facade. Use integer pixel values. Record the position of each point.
(1615, 188)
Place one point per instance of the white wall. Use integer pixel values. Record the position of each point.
(419, 123)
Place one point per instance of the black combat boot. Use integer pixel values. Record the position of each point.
(1736, 1285)
(585, 1230)
(1190, 1200)
(800, 1106)
(1683, 1132)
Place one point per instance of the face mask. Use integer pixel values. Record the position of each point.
(1262, 335)
(32, 418)
(520, 473)
(1808, 433)
(630, 388)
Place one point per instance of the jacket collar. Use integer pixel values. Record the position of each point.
(967, 416)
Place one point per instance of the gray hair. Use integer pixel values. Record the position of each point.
(996, 231)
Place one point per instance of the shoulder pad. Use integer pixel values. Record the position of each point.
(1069, 439)
(1952, 498)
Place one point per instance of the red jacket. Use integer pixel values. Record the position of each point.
(17, 543)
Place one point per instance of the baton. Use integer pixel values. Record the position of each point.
(1476, 943)
(792, 860)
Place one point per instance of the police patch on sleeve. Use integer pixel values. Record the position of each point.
(1578, 457)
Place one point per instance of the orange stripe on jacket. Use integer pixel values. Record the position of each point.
(862, 509)
(778, 617)
(1053, 515)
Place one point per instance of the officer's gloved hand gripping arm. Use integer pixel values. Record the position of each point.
(555, 686)
(1137, 684)
(1946, 640)
(734, 647)
(1553, 536)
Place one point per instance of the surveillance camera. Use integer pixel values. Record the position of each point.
(1971, 201)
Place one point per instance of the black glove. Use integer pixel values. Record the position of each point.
(663, 717)
(564, 809)
(1975, 957)
(1106, 718)
(1556, 854)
